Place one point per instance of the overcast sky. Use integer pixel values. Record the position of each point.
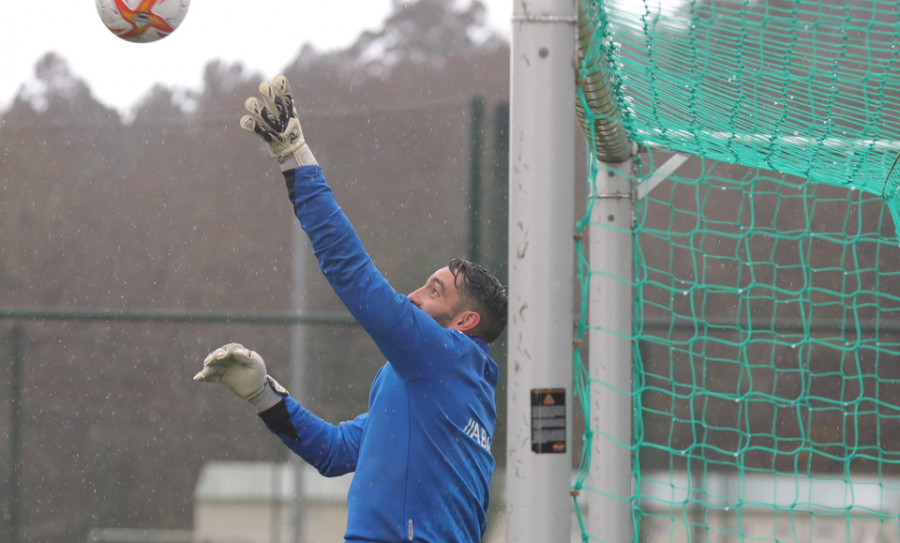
(264, 35)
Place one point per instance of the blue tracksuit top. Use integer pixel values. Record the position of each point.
(422, 453)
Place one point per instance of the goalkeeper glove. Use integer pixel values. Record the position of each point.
(274, 119)
(244, 372)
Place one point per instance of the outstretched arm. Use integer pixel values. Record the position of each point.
(331, 449)
(385, 314)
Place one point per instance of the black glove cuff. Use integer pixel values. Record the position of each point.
(289, 182)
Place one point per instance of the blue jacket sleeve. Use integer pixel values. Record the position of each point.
(331, 449)
(413, 342)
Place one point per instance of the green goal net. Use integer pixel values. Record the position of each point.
(766, 277)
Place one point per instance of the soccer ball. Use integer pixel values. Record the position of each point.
(142, 20)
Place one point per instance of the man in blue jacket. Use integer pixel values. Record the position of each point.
(422, 452)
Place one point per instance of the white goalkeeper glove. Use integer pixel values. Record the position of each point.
(274, 119)
(244, 372)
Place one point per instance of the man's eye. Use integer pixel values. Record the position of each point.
(434, 292)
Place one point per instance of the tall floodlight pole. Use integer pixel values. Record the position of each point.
(541, 271)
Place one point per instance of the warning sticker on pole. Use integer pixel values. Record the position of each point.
(548, 420)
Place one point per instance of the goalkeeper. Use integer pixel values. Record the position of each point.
(422, 452)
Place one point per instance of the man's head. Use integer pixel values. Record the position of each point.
(466, 297)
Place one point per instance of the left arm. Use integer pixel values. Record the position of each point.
(331, 449)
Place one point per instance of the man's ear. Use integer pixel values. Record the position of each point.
(467, 320)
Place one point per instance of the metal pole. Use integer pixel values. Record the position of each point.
(15, 432)
(541, 271)
(610, 314)
(168, 316)
(476, 150)
(301, 248)
(499, 197)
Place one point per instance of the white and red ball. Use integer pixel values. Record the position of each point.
(142, 20)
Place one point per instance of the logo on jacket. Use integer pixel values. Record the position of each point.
(479, 434)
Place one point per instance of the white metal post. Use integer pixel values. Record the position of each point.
(541, 271)
(610, 358)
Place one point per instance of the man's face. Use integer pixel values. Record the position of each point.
(438, 297)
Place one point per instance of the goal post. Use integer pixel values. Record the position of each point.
(541, 271)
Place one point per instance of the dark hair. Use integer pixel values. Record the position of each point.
(483, 293)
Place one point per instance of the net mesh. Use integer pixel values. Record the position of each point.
(766, 282)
